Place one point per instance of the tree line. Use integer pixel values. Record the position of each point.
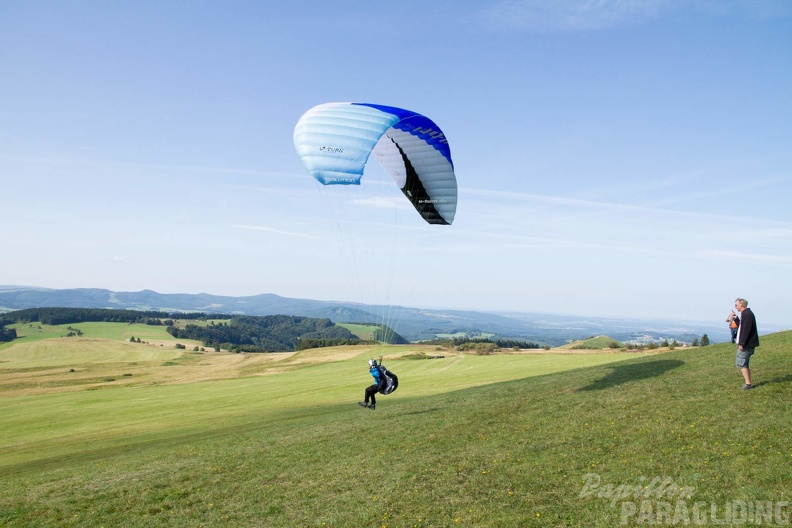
(7, 334)
(56, 316)
(271, 333)
(500, 343)
(314, 342)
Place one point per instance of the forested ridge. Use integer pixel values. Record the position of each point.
(272, 333)
(56, 316)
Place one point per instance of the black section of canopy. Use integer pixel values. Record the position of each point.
(415, 192)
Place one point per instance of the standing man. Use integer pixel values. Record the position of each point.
(747, 340)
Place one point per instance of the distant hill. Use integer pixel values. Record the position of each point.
(596, 343)
(414, 324)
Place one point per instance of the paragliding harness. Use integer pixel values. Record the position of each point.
(389, 381)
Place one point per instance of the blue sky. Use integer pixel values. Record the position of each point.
(614, 157)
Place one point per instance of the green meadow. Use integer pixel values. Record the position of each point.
(98, 431)
(364, 332)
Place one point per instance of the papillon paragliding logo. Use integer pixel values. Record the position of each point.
(335, 142)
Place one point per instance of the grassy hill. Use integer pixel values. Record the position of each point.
(594, 343)
(503, 440)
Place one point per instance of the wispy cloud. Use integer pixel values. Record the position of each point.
(767, 236)
(713, 192)
(498, 221)
(590, 206)
(782, 232)
(592, 15)
(109, 164)
(384, 202)
(271, 230)
(573, 15)
(739, 255)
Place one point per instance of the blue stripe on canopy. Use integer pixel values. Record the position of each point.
(418, 125)
(334, 142)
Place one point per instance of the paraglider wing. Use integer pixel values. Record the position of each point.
(335, 140)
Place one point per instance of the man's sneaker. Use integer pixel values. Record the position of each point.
(371, 406)
(363, 404)
(747, 386)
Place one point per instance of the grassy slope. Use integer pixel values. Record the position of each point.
(599, 342)
(252, 452)
(58, 424)
(122, 331)
(365, 332)
(593, 343)
(41, 359)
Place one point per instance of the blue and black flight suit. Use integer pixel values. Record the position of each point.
(371, 391)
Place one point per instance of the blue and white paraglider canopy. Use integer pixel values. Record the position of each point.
(334, 142)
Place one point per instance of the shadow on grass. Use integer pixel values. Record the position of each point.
(433, 409)
(782, 379)
(633, 372)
